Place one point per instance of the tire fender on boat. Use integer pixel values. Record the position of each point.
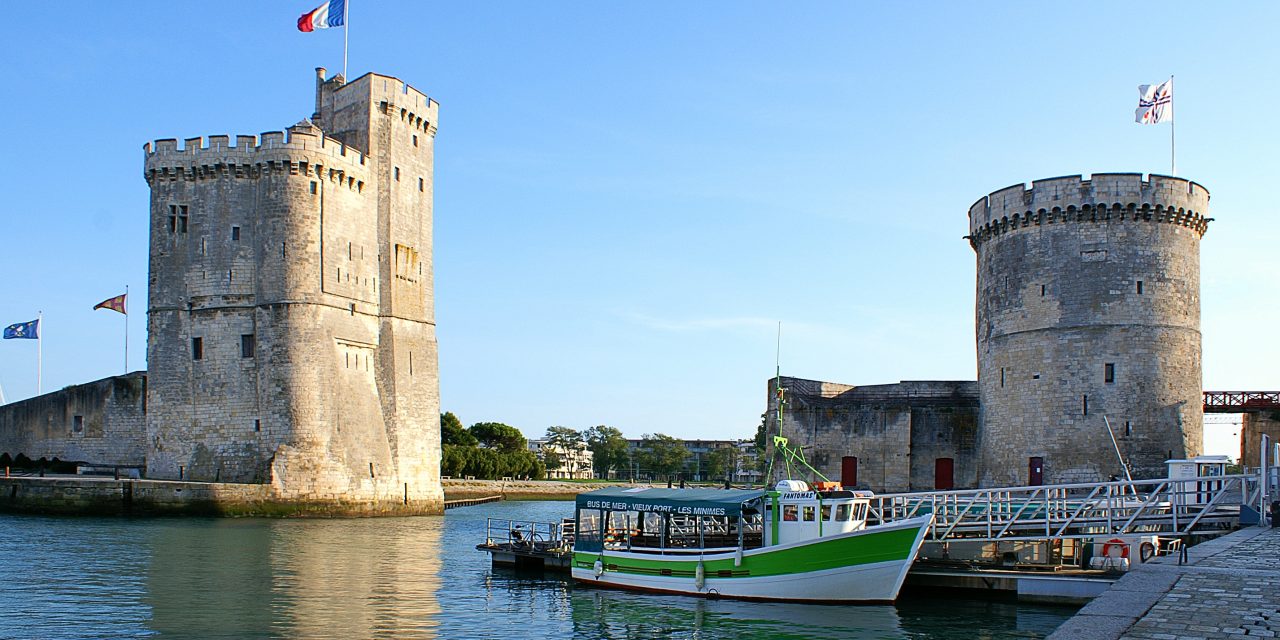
(598, 568)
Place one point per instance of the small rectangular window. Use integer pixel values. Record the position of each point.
(397, 174)
(415, 140)
(197, 348)
(257, 425)
(235, 234)
(313, 187)
(1139, 287)
(1042, 287)
(77, 423)
(825, 515)
(808, 514)
(1128, 428)
(1109, 372)
(1084, 404)
(789, 512)
(420, 184)
(246, 345)
(843, 512)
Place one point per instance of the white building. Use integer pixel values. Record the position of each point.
(574, 462)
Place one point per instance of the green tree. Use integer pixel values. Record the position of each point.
(551, 459)
(563, 438)
(498, 436)
(662, 454)
(608, 449)
(720, 462)
(452, 431)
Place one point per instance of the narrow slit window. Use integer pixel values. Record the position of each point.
(197, 348)
(421, 184)
(397, 174)
(1084, 404)
(313, 187)
(1139, 287)
(1109, 372)
(1002, 376)
(257, 425)
(1042, 288)
(247, 345)
(1128, 428)
(235, 234)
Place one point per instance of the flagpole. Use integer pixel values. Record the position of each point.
(1173, 149)
(39, 348)
(346, 27)
(126, 329)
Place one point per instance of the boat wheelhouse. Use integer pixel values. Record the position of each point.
(795, 543)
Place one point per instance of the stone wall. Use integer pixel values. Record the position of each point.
(897, 432)
(1088, 309)
(101, 422)
(292, 331)
(1253, 426)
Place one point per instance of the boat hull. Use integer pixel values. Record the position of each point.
(862, 566)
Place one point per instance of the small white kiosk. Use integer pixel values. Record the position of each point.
(1199, 491)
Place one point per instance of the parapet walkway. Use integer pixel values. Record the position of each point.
(1228, 588)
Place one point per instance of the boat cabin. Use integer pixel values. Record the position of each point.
(675, 521)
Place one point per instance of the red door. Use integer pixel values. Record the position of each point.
(1035, 469)
(944, 474)
(849, 471)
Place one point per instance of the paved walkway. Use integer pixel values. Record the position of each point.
(1229, 588)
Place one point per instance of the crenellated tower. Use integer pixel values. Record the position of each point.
(1088, 306)
(291, 312)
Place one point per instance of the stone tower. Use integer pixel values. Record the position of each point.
(291, 336)
(1088, 306)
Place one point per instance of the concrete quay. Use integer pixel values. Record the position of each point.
(1229, 587)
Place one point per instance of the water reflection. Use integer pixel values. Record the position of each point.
(314, 579)
(600, 613)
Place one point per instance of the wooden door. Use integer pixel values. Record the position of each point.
(944, 474)
(849, 471)
(1035, 471)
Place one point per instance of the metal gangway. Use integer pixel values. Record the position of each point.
(1199, 506)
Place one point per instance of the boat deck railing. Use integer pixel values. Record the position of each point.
(1163, 507)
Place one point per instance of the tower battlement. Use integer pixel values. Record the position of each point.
(1102, 197)
(250, 149)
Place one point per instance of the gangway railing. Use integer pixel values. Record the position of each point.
(1164, 507)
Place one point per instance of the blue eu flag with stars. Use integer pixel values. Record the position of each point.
(29, 330)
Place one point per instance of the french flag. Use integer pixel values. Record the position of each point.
(327, 15)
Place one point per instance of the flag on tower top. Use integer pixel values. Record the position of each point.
(329, 14)
(1155, 103)
(114, 304)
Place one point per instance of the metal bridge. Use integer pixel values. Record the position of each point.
(1207, 505)
(1238, 401)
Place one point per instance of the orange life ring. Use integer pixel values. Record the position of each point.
(1117, 543)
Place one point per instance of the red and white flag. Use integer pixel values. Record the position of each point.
(1155, 103)
(329, 14)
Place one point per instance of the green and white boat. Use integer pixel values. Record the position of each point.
(794, 543)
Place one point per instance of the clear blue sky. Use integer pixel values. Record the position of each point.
(629, 196)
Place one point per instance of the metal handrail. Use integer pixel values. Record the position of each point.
(1080, 510)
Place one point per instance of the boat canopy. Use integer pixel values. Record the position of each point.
(695, 502)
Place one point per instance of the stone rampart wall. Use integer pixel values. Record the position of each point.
(101, 422)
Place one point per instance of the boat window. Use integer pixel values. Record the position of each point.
(588, 537)
(789, 512)
(862, 512)
(826, 512)
(808, 514)
(843, 512)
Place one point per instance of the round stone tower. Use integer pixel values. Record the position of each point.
(1088, 311)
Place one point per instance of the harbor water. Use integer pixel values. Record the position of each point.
(394, 578)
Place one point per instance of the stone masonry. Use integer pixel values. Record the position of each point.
(291, 336)
(1088, 307)
(97, 423)
(896, 436)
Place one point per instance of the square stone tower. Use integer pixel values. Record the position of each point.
(291, 313)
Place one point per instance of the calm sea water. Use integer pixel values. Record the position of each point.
(392, 578)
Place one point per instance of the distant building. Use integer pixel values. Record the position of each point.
(572, 463)
(739, 459)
